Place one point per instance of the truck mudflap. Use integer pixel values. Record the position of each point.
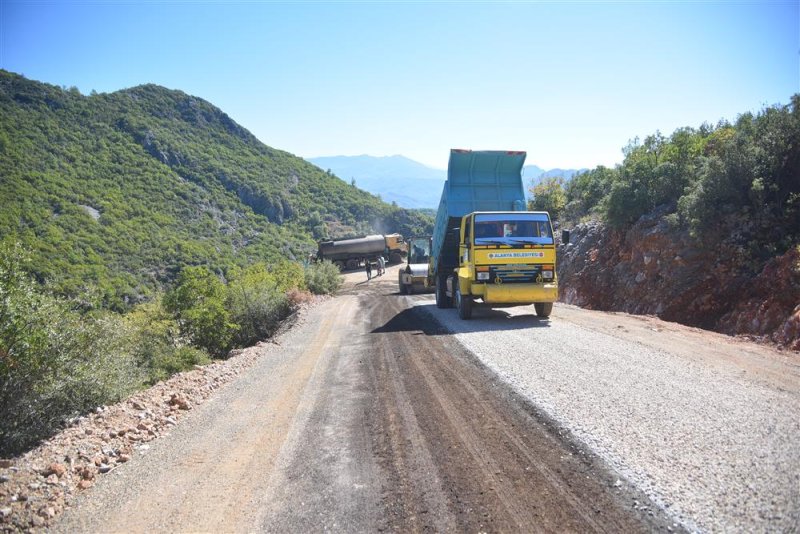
(515, 293)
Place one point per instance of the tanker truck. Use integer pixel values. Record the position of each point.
(485, 246)
(350, 253)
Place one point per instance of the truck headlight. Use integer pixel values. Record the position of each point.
(547, 275)
(483, 275)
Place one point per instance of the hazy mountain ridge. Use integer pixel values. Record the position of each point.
(409, 183)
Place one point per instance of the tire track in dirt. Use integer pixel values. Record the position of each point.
(416, 490)
(496, 466)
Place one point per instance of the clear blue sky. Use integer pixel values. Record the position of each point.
(570, 83)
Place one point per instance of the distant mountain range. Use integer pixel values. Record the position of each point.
(395, 178)
(406, 182)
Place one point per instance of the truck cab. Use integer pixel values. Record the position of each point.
(505, 259)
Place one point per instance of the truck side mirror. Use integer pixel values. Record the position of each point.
(564, 237)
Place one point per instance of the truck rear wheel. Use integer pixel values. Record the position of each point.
(464, 304)
(353, 264)
(339, 264)
(543, 309)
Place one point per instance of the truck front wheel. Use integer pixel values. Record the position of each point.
(464, 304)
(442, 301)
(543, 309)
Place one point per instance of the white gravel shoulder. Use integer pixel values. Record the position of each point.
(717, 447)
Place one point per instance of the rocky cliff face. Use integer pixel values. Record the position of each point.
(652, 269)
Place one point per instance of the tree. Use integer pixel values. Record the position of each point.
(198, 304)
(549, 196)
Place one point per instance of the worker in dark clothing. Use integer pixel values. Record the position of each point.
(369, 269)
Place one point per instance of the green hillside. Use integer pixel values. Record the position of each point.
(120, 191)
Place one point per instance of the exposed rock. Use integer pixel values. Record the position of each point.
(652, 269)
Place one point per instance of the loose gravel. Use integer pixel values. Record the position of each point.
(715, 445)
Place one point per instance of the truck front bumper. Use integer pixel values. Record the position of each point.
(515, 293)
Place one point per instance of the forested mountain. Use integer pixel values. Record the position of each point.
(120, 191)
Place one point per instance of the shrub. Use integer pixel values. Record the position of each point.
(549, 196)
(287, 275)
(198, 304)
(298, 297)
(158, 348)
(166, 364)
(55, 363)
(257, 303)
(323, 278)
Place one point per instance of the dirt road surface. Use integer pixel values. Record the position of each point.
(370, 415)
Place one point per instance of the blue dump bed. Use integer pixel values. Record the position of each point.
(484, 180)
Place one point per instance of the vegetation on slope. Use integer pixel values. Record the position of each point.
(739, 181)
(59, 360)
(121, 191)
(153, 203)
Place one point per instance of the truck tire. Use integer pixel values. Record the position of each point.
(352, 264)
(339, 264)
(464, 305)
(395, 257)
(442, 301)
(543, 309)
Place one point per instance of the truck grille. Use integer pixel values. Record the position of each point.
(519, 274)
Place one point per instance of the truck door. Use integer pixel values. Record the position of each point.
(466, 237)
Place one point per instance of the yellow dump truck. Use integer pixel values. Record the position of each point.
(486, 248)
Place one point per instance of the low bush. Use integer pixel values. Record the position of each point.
(156, 342)
(323, 278)
(257, 302)
(61, 358)
(55, 363)
(197, 303)
(298, 297)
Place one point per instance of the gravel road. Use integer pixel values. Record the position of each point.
(365, 416)
(380, 412)
(707, 425)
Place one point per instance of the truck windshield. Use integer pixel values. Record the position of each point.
(419, 250)
(513, 228)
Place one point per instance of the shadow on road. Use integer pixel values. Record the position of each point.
(409, 320)
(423, 319)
